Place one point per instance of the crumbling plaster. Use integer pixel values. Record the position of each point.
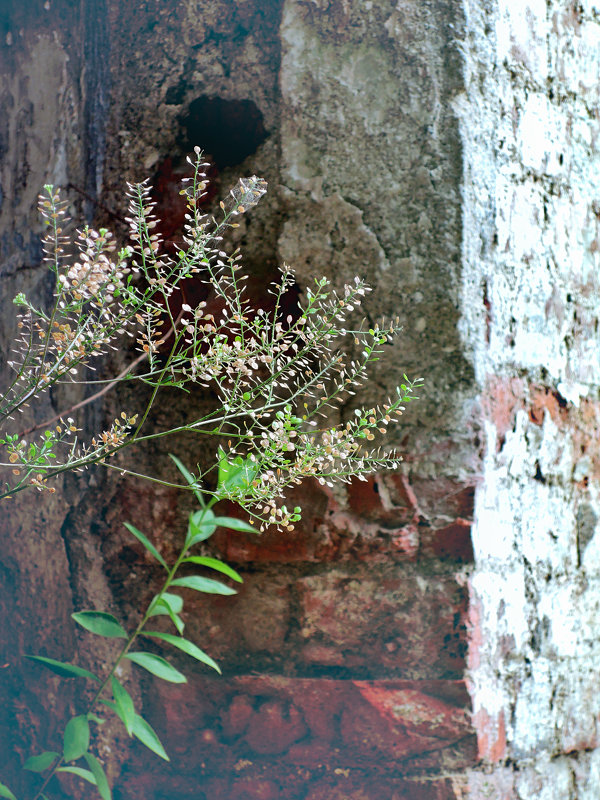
(529, 122)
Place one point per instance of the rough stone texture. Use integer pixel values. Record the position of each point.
(530, 128)
(447, 153)
(343, 654)
(290, 737)
(51, 553)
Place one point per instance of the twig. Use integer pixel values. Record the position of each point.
(102, 391)
(87, 400)
(98, 203)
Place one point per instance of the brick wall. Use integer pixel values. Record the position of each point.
(447, 153)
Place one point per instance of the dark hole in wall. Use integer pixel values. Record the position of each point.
(228, 130)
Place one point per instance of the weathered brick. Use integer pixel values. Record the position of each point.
(451, 543)
(237, 628)
(363, 618)
(401, 621)
(384, 521)
(280, 727)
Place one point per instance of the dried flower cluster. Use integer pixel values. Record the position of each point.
(279, 380)
(276, 378)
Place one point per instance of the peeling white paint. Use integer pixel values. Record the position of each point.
(529, 190)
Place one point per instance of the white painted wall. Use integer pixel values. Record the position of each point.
(530, 121)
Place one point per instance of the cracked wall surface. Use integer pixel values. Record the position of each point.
(446, 153)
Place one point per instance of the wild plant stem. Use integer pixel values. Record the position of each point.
(127, 646)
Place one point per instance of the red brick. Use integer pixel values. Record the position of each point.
(254, 789)
(428, 716)
(413, 626)
(379, 526)
(377, 789)
(542, 400)
(436, 501)
(310, 722)
(366, 500)
(452, 543)
(294, 738)
(501, 399)
(339, 536)
(280, 784)
(302, 544)
(491, 735)
(236, 628)
(274, 728)
(363, 616)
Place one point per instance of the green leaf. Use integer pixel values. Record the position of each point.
(235, 475)
(214, 563)
(6, 792)
(189, 478)
(170, 604)
(76, 738)
(99, 775)
(157, 666)
(82, 773)
(147, 544)
(100, 623)
(201, 584)
(123, 704)
(235, 524)
(145, 733)
(187, 647)
(94, 718)
(41, 762)
(200, 527)
(167, 600)
(63, 669)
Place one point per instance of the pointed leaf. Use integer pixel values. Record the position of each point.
(41, 762)
(168, 604)
(145, 733)
(147, 544)
(6, 792)
(100, 623)
(166, 601)
(63, 669)
(201, 584)
(178, 622)
(187, 647)
(157, 666)
(100, 776)
(200, 527)
(214, 563)
(124, 704)
(189, 478)
(235, 524)
(82, 773)
(76, 738)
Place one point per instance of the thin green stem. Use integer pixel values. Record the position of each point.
(127, 646)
